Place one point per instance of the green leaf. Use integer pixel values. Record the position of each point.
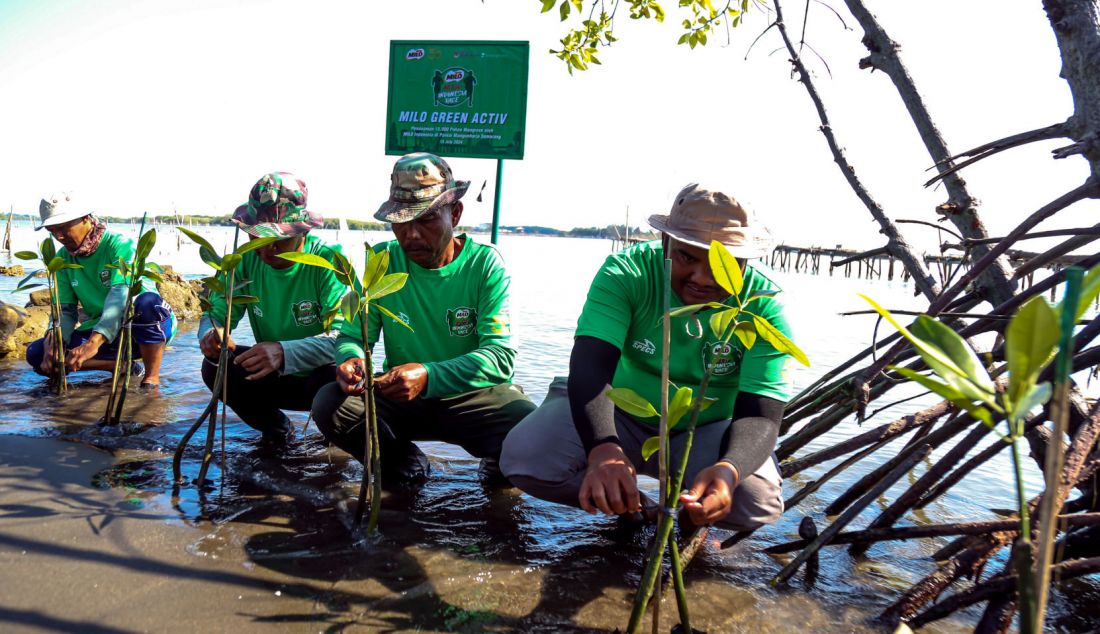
(950, 343)
(694, 308)
(55, 264)
(388, 284)
(153, 275)
(230, 262)
(255, 243)
(345, 272)
(214, 284)
(27, 278)
(1090, 288)
(1030, 340)
(651, 446)
(239, 285)
(385, 311)
(724, 267)
(349, 306)
(199, 240)
(772, 335)
(630, 402)
(746, 332)
(245, 299)
(308, 259)
(329, 317)
(26, 255)
(1036, 396)
(48, 250)
(69, 265)
(950, 393)
(720, 322)
(678, 405)
(760, 295)
(205, 305)
(28, 287)
(658, 12)
(211, 258)
(563, 10)
(547, 5)
(375, 268)
(145, 243)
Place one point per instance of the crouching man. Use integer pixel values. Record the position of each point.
(449, 378)
(579, 449)
(100, 289)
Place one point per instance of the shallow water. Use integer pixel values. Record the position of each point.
(457, 557)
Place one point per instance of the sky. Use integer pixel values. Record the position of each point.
(157, 105)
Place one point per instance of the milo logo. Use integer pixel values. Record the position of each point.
(453, 86)
(306, 312)
(727, 357)
(105, 277)
(461, 322)
(414, 53)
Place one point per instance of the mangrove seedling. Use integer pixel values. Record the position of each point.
(356, 304)
(135, 272)
(731, 319)
(223, 281)
(1035, 333)
(53, 264)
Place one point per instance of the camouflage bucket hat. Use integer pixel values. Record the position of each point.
(276, 208)
(420, 183)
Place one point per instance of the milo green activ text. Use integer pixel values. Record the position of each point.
(457, 98)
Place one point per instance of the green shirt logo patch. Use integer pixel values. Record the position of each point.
(306, 312)
(461, 321)
(105, 277)
(727, 357)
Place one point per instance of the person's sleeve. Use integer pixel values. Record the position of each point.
(608, 308)
(69, 316)
(491, 363)
(114, 305)
(349, 341)
(763, 370)
(300, 355)
(750, 439)
(591, 368)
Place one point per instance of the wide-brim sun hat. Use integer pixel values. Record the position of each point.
(420, 184)
(699, 216)
(57, 209)
(276, 208)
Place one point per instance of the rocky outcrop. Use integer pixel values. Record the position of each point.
(15, 270)
(182, 295)
(19, 327)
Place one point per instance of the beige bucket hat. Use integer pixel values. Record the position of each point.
(700, 215)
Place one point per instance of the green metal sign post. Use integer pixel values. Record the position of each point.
(464, 99)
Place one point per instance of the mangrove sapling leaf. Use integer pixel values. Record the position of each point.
(245, 299)
(779, 341)
(678, 405)
(760, 295)
(651, 446)
(630, 402)
(329, 317)
(49, 251)
(375, 268)
(152, 275)
(230, 262)
(950, 393)
(746, 333)
(55, 264)
(954, 346)
(26, 255)
(308, 259)
(694, 308)
(388, 284)
(212, 259)
(1090, 288)
(254, 244)
(350, 305)
(385, 311)
(726, 270)
(25, 283)
(199, 240)
(214, 284)
(720, 322)
(205, 304)
(1036, 396)
(145, 244)
(1030, 338)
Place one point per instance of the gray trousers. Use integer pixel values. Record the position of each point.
(543, 455)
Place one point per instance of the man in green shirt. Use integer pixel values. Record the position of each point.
(293, 354)
(449, 377)
(100, 290)
(578, 449)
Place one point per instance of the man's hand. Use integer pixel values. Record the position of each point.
(403, 383)
(349, 376)
(609, 483)
(711, 496)
(211, 343)
(261, 359)
(48, 353)
(79, 355)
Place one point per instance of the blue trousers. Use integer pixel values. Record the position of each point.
(154, 322)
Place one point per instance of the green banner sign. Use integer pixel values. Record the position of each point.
(452, 98)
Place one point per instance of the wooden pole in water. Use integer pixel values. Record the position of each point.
(7, 230)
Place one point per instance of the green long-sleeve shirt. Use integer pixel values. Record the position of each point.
(462, 331)
(292, 304)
